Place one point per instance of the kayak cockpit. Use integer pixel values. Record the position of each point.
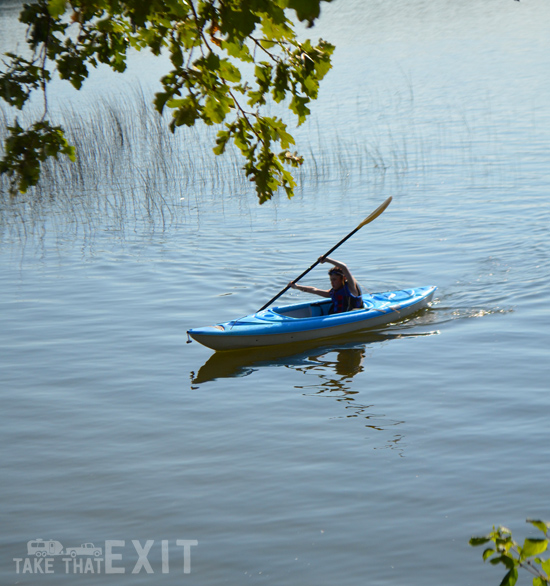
(304, 310)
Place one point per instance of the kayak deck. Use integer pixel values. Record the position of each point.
(311, 320)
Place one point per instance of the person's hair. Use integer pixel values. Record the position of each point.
(337, 271)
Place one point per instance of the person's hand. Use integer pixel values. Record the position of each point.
(292, 285)
(322, 259)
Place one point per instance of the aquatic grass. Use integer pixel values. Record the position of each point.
(131, 170)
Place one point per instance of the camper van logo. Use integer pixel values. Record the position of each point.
(43, 548)
(46, 556)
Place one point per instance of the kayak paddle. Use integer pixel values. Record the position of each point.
(366, 221)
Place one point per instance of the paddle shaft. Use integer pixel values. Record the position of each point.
(366, 221)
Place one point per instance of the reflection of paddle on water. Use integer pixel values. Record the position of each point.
(348, 363)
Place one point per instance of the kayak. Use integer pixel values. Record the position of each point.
(301, 322)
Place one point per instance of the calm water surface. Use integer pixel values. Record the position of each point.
(366, 460)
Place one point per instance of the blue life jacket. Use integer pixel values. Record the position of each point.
(344, 300)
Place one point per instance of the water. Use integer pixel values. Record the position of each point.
(371, 459)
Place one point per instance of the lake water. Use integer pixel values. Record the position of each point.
(366, 460)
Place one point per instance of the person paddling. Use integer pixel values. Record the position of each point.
(345, 292)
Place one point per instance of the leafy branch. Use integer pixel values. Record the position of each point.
(210, 44)
(513, 556)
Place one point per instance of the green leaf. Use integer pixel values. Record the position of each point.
(306, 9)
(229, 72)
(237, 50)
(298, 106)
(322, 59)
(73, 69)
(280, 82)
(221, 141)
(216, 108)
(532, 547)
(176, 55)
(210, 62)
(56, 8)
(276, 30)
(186, 112)
(488, 553)
(188, 35)
(242, 138)
(237, 23)
(510, 578)
(279, 132)
(540, 525)
(263, 75)
(160, 101)
(505, 560)
(255, 97)
(475, 541)
(70, 151)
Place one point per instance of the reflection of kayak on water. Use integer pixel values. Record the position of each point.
(302, 322)
(344, 356)
(239, 363)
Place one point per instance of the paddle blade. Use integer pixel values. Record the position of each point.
(375, 214)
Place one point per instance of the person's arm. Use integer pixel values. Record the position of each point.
(352, 283)
(307, 289)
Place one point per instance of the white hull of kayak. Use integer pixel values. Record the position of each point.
(307, 321)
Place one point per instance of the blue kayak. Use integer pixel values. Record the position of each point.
(301, 322)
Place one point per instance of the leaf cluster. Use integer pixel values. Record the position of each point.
(504, 550)
(26, 149)
(210, 43)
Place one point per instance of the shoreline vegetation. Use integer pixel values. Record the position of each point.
(131, 170)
